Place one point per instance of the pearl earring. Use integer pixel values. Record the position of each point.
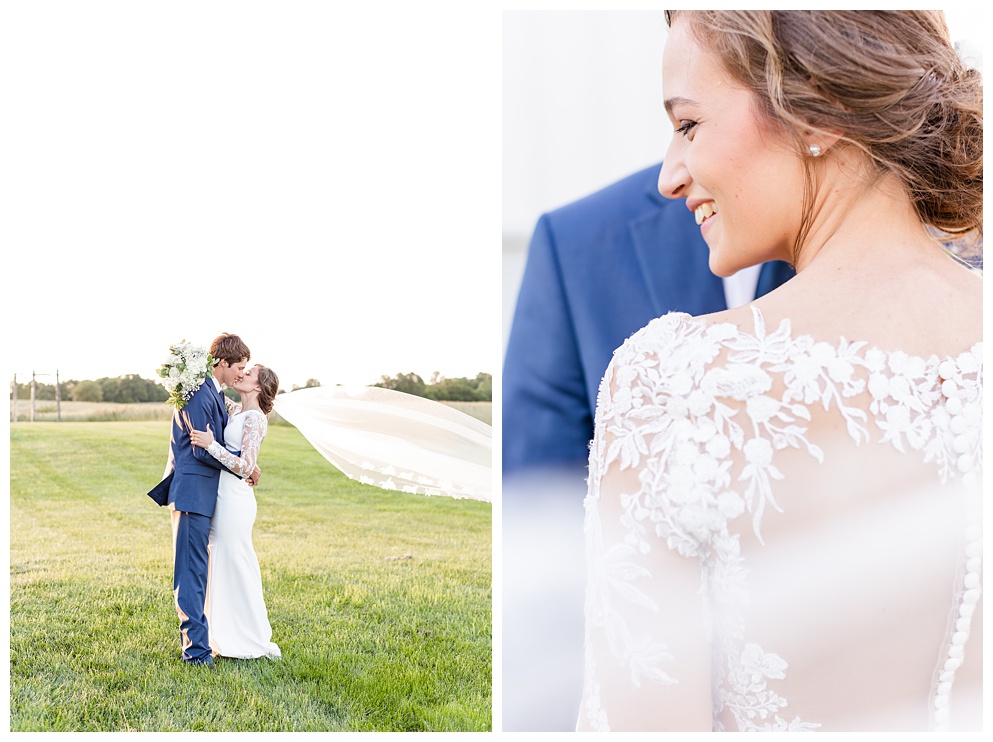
(815, 150)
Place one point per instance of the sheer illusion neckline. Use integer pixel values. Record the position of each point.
(785, 327)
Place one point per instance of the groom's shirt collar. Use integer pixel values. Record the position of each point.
(217, 384)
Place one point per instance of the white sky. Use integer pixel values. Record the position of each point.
(324, 183)
(341, 169)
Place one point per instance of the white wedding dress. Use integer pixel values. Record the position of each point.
(783, 534)
(237, 619)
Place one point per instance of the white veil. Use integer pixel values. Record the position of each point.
(393, 440)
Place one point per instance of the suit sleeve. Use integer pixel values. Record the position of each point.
(546, 417)
(195, 416)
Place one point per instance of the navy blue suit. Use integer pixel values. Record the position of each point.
(598, 270)
(191, 489)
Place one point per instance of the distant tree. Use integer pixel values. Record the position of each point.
(483, 384)
(461, 389)
(87, 391)
(310, 384)
(408, 383)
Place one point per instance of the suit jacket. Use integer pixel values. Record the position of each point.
(597, 271)
(191, 486)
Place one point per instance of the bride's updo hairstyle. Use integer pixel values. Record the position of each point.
(888, 81)
(268, 387)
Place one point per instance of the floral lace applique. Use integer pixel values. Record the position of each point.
(253, 433)
(667, 411)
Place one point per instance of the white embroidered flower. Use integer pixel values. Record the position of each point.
(705, 468)
(914, 367)
(875, 360)
(699, 403)
(899, 388)
(761, 409)
(681, 383)
(967, 362)
(898, 362)
(719, 446)
(676, 408)
(698, 521)
(738, 382)
(758, 451)
(840, 370)
(759, 664)
(879, 386)
(730, 505)
(682, 484)
(721, 332)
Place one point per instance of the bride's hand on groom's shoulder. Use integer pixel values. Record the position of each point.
(201, 438)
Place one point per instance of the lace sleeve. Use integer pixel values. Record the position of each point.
(648, 654)
(256, 426)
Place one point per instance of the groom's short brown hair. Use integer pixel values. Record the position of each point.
(230, 348)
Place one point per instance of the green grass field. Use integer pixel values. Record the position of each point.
(48, 411)
(380, 602)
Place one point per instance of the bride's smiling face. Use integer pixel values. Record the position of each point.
(740, 175)
(249, 382)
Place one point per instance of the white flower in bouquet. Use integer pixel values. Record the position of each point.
(186, 369)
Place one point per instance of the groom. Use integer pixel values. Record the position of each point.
(190, 490)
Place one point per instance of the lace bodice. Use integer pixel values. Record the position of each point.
(244, 431)
(778, 530)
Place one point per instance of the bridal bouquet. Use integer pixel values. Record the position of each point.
(184, 371)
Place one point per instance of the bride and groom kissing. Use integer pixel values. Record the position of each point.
(207, 486)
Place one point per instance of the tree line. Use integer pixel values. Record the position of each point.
(461, 389)
(133, 389)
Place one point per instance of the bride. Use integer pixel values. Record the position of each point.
(237, 619)
(783, 518)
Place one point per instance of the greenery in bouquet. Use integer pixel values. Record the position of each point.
(184, 371)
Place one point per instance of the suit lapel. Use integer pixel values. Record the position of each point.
(224, 407)
(674, 259)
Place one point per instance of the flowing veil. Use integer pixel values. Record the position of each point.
(393, 440)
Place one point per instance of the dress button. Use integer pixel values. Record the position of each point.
(965, 463)
(953, 405)
(961, 443)
(973, 549)
(949, 388)
(959, 637)
(971, 580)
(973, 564)
(941, 716)
(970, 597)
(946, 369)
(953, 663)
(957, 423)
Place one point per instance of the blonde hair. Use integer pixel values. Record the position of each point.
(889, 81)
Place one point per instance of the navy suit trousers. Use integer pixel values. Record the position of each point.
(190, 532)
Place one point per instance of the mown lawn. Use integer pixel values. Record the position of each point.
(380, 602)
